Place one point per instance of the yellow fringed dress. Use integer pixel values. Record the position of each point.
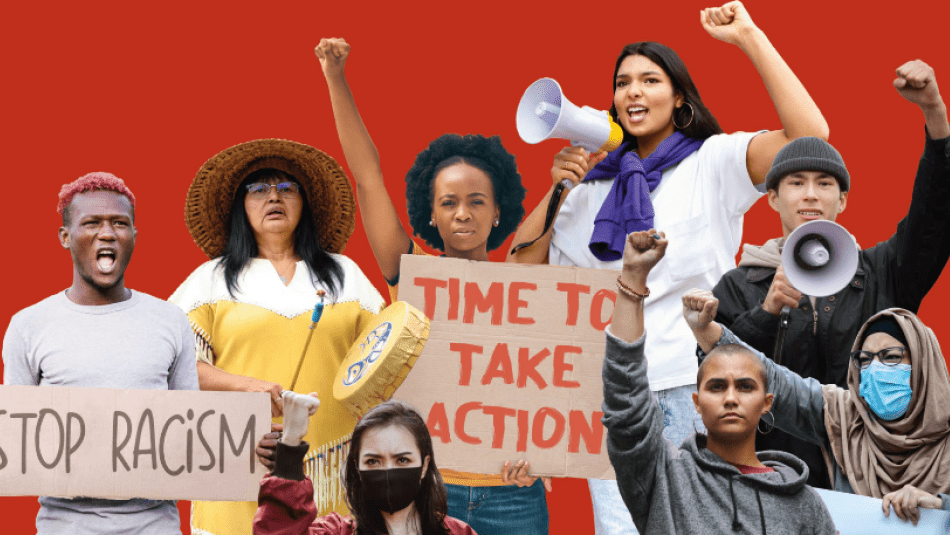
(260, 332)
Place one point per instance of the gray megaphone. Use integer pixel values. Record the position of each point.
(544, 113)
(820, 258)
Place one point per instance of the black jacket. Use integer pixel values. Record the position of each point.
(896, 273)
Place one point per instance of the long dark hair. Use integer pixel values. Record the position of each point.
(242, 246)
(431, 502)
(702, 124)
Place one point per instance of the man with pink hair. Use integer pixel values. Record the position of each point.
(100, 334)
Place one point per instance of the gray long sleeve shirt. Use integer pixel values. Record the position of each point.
(689, 489)
(799, 409)
(139, 343)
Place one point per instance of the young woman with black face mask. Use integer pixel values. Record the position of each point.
(392, 484)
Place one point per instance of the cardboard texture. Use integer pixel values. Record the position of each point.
(512, 368)
(119, 444)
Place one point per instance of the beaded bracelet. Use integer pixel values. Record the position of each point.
(630, 292)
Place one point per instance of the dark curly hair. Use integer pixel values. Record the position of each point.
(486, 154)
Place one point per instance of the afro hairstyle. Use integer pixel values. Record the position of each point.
(92, 182)
(486, 154)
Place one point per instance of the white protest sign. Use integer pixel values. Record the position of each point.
(512, 368)
(860, 515)
(118, 444)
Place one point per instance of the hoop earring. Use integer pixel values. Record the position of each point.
(692, 114)
(768, 426)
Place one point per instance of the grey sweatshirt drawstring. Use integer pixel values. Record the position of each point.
(735, 507)
(758, 498)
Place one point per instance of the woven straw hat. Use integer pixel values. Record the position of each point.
(328, 191)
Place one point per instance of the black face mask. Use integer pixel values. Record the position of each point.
(391, 490)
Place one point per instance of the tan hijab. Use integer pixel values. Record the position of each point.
(877, 456)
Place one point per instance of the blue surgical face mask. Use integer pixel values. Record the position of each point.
(886, 389)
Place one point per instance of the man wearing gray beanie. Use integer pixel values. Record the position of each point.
(809, 181)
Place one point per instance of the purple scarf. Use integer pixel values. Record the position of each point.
(627, 207)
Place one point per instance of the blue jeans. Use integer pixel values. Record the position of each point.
(502, 510)
(680, 420)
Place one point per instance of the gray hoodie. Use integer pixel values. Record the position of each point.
(689, 489)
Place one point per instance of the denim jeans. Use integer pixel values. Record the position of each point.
(502, 510)
(680, 420)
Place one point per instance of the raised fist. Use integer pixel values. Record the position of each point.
(727, 23)
(699, 308)
(332, 53)
(916, 82)
(641, 252)
(298, 409)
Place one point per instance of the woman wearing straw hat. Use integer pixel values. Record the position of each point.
(273, 216)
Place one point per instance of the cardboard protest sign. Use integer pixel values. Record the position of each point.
(512, 368)
(860, 515)
(118, 444)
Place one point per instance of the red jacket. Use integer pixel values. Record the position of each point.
(286, 507)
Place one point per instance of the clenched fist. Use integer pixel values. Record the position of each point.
(728, 23)
(917, 83)
(699, 308)
(332, 53)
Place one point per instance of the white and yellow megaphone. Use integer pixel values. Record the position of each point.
(544, 112)
(820, 258)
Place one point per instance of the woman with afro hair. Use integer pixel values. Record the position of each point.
(464, 197)
(463, 193)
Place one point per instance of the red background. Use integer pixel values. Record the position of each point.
(149, 91)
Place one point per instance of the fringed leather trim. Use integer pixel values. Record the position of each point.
(325, 465)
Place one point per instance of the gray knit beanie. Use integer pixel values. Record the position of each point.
(808, 154)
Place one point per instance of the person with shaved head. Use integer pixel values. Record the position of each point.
(713, 482)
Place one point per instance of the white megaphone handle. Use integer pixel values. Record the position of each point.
(568, 184)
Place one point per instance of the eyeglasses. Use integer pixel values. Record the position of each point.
(891, 356)
(259, 190)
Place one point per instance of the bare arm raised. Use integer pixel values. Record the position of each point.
(385, 232)
(799, 114)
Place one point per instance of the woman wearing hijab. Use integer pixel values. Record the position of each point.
(885, 436)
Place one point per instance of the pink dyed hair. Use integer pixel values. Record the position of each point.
(91, 182)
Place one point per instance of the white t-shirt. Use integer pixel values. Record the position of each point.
(699, 204)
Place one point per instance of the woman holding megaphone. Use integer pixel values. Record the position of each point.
(678, 172)
(464, 197)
